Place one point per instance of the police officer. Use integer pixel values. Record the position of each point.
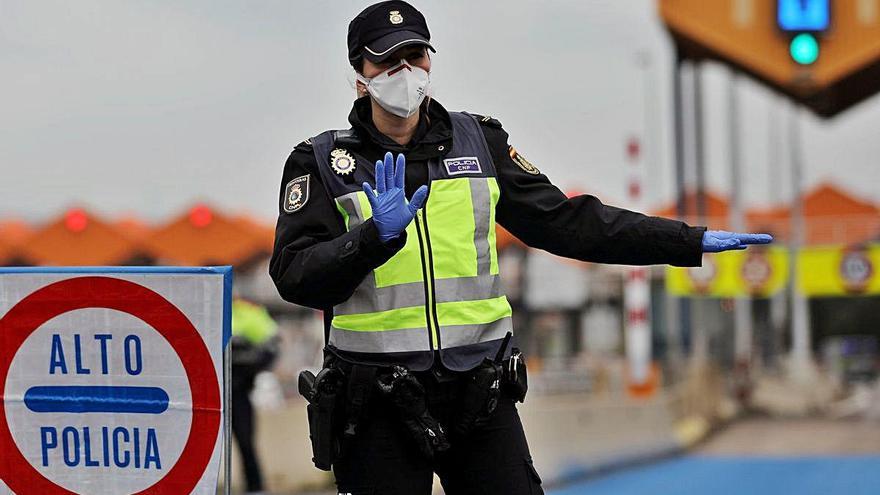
(254, 348)
(410, 288)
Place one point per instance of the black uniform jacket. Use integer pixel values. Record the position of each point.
(316, 263)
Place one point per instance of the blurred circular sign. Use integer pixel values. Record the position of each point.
(856, 270)
(702, 276)
(756, 271)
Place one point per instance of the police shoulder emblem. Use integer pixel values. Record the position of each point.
(395, 17)
(522, 162)
(296, 194)
(341, 161)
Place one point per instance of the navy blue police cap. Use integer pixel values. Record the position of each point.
(383, 28)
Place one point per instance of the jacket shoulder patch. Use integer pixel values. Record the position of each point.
(296, 194)
(521, 161)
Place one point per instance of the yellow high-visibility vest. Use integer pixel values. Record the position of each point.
(442, 290)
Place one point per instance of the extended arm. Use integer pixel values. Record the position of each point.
(584, 228)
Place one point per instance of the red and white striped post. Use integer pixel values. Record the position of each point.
(637, 295)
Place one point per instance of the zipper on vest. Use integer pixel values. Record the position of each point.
(428, 275)
(433, 302)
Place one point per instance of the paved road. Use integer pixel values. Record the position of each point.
(797, 437)
(696, 475)
(761, 457)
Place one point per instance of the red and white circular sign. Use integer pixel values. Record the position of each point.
(108, 387)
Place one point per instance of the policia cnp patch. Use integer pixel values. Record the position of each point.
(522, 162)
(296, 194)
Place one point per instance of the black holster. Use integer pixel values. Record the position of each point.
(479, 397)
(324, 394)
(516, 380)
(482, 389)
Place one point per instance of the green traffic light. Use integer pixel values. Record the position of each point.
(804, 49)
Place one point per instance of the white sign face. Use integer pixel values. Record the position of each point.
(112, 383)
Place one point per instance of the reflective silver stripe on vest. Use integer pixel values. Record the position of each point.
(457, 335)
(368, 299)
(468, 288)
(480, 196)
(406, 340)
(352, 206)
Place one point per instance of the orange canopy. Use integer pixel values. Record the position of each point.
(13, 234)
(264, 233)
(831, 216)
(78, 238)
(132, 227)
(203, 236)
(716, 206)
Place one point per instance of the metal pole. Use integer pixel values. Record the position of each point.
(800, 318)
(742, 313)
(775, 169)
(775, 182)
(678, 113)
(227, 419)
(699, 145)
(683, 308)
(637, 290)
(700, 333)
(638, 335)
(651, 164)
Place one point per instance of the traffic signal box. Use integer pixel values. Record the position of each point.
(822, 53)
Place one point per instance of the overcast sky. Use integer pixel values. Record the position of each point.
(145, 107)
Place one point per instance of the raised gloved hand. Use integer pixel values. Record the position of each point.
(391, 212)
(715, 241)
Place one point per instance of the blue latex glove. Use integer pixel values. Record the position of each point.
(715, 241)
(391, 212)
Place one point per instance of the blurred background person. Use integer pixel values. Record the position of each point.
(254, 349)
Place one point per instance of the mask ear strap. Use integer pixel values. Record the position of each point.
(361, 90)
(361, 79)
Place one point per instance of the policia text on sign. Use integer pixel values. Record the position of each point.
(136, 448)
(421, 373)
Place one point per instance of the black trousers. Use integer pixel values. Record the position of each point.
(243, 423)
(383, 459)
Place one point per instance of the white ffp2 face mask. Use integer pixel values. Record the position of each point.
(399, 89)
